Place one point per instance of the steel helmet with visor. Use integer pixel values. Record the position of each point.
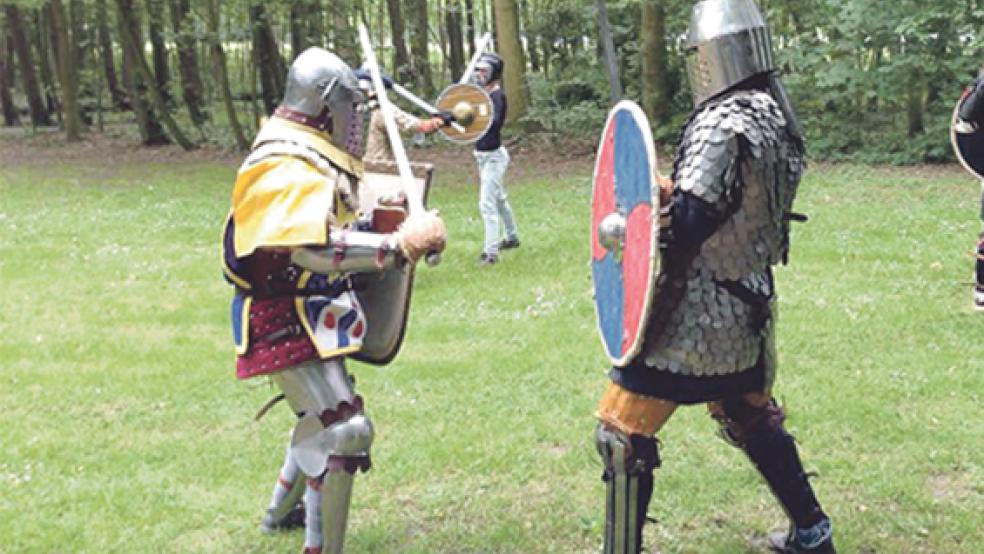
(727, 42)
(323, 87)
(488, 68)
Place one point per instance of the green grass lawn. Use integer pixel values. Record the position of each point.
(123, 428)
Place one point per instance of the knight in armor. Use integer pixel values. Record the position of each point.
(291, 246)
(709, 338)
(970, 119)
(377, 143)
(492, 157)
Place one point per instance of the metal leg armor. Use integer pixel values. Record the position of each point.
(283, 512)
(629, 463)
(756, 427)
(331, 440)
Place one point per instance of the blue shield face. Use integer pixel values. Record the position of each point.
(624, 245)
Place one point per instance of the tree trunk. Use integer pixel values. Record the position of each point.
(66, 68)
(10, 116)
(531, 40)
(80, 40)
(162, 73)
(315, 23)
(130, 41)
(608, 48)
(128, 27)
(191, 81)
(914, 110)
(547, 44)
(419, 48)
(344, 39)
(456, 49)
(401, 59)
(470, 26)
(655, 81)
(44, 50)
(266, 58)
(298, 29)
(514, 79)
(40, 116)
(108, 58)
(221, 73)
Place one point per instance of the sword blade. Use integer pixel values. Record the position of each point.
(479, 50)
(422, 104)
(396, 142)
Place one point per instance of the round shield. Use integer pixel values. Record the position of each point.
(624, 230)
(968, 146)
(472, 109)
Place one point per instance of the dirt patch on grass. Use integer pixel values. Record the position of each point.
(953, 486)
(44, 147)
(533, 155)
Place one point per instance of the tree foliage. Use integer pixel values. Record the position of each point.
(872, 81)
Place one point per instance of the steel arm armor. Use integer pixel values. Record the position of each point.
(351, 252)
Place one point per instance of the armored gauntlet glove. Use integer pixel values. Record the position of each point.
(421, 234)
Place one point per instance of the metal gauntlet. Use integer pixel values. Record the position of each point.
(351, 251)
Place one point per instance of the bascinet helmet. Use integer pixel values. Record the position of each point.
(488, 68)
(323, 87)
(728, 42)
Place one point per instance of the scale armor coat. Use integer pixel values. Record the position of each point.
(736, 155)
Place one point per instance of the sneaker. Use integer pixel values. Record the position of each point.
(488, 259)
(293, 520)
(506, 244)
(979, 299)
(787, 542)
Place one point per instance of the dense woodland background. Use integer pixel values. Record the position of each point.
(873, 81)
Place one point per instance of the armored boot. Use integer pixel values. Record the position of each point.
(629, 463)
(273, 522)
(759, 431)
(285, 511)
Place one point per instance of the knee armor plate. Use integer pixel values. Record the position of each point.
(316, 446)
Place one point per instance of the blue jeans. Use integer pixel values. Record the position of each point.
(492, 202)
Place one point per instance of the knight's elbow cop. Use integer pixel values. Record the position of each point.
(351, 252)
